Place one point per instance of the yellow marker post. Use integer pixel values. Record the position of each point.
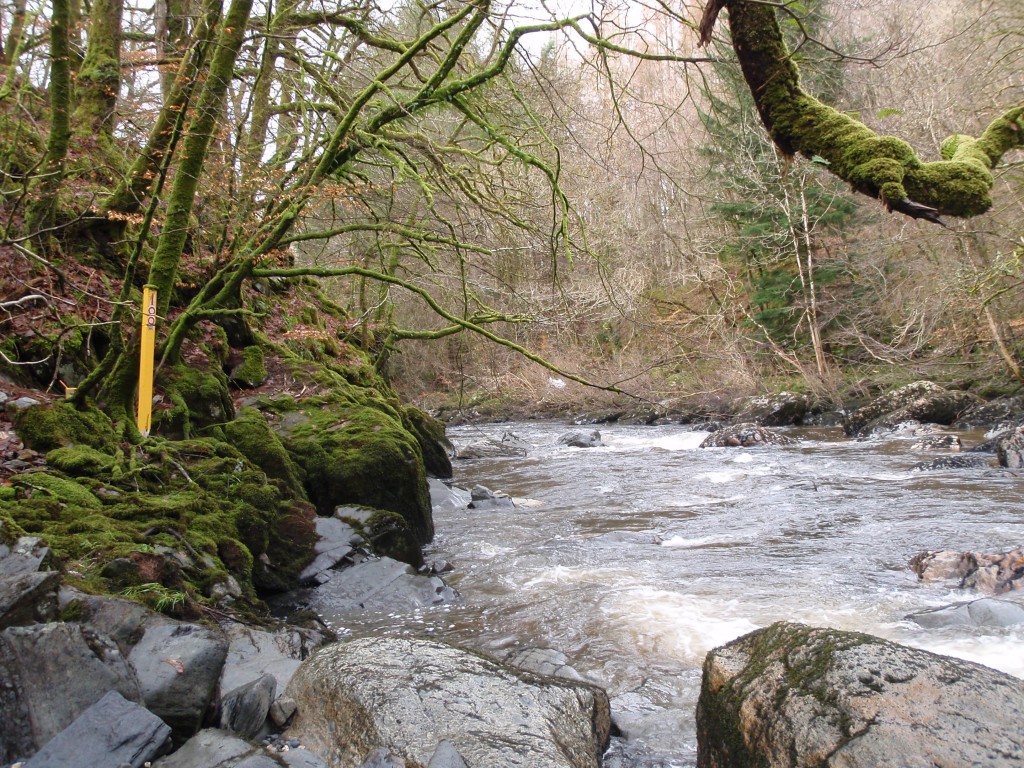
(146, 348)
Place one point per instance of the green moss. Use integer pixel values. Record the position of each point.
(361, 454)
(199, 399)
(251, 372)
(81, 461)
(60, 489)
(45, 427)
(429, 433)
(254, 439)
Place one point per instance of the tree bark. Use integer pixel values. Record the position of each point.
(99, 80)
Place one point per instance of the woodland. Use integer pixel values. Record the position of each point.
(511, 201)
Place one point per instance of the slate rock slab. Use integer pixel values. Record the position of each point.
(377, 584)
(179, 666)
(986, 612)
(49, 675)
(213, 748)
(112, 732)
(28, 598)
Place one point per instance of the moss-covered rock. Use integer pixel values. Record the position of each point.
(254, 438)
(81, 461)
(199, 399)
(55, 425)
(429, 433)
(60, 489)
(251, 372)
(389, 535)
(356, 451)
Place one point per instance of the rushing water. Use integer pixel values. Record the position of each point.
(637, 558)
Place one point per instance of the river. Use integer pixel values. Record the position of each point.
(636, 558)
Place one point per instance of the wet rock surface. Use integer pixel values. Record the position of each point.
(407, 695)
(921, 401)
(988, 573)
(790, 695)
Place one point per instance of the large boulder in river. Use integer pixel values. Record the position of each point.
(1010, 448)
(406, 695)
(922, 401)
(792, 695)
(746, 435)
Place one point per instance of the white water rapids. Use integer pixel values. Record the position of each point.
(637, 558)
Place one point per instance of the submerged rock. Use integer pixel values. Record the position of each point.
(507, 445)
(972, 461)
(407, 695)
(986, 612)
(791, 695)
(746, 435)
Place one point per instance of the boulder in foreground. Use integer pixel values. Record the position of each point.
(792, 695)
(407, 695)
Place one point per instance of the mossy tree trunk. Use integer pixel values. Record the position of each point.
(170, 246)
(99, 80)
(883, 167)
(42, 211)
(15, 32)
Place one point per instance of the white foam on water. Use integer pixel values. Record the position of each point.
(1002, 652)
(743, 458)
(662, 624)
(696, 542)
(723, 476)
(678, 441)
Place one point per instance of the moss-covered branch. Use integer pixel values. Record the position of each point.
(883, 167)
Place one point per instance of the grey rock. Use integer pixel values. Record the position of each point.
(36, 665)
(446, 756)
(938, 443)
(301, 758)
(986, 612)
(407, 694)
(179, 665)
(244, 709)
(253, 653)
(29, 598)
(784, 409)
(359, 515)
(507, 445)
(382, 758)
(27, 555)
(333, 546)
(281, 710)
(1010, 449)
(482, 497)
(120, 620)
(112, 732)
(24, 402)
(544, 661)
(993, 413)
(581, 439)
(212, 748)
(377, 584)
(745, 435)
(921, 401)
(791, 695)
(445, 497)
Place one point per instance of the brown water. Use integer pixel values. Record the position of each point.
(637, 558)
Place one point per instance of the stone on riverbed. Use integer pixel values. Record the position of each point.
(405, 695)
(792, 695)
(507, 445)
(922, 401)
(745, 435)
